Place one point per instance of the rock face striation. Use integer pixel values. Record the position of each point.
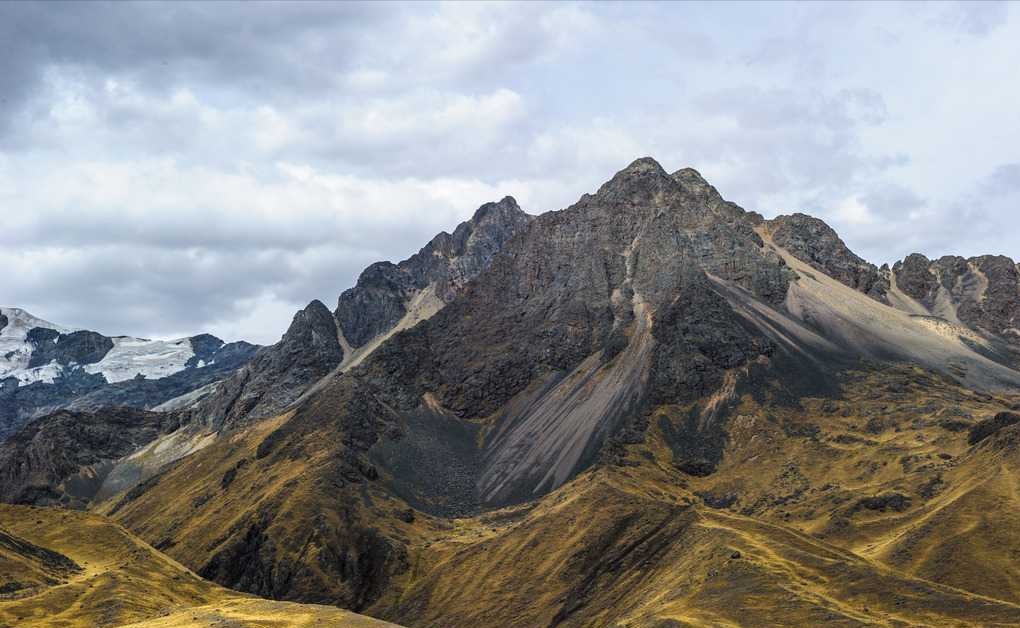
(63, 460)
(982, 293)
(388, 297)
(387, 292)
(816, 243)
(278, 374)
(506, 359)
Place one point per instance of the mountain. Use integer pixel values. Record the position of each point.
(387, 298)
(45, 367)
(651, 408)
(76, 569)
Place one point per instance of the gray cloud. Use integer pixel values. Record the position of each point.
(170, 168)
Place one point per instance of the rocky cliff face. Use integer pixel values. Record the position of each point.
(63, 459)
(530, 371)
(387, 297)
(385, 291)
(652, 292)
(651, 344)
(982, 293)
(816, 243)
(278, 374)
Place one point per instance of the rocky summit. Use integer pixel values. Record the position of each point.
(652, 408)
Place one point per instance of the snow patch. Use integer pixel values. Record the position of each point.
(16, 351)
(152, 359)
(129, 357)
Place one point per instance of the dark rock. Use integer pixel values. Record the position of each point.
(206, 347)
(311, 349)
(914, 278)
(80, 347)
(814, 242)
(983, 429)
(60, 458)
(984, 291)
(717, 500)
(887, 501)
(277, 375)
(445, 264)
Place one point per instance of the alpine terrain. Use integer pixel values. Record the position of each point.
(652, 408)
(45, 367)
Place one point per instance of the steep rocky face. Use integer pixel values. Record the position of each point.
(650, 327)
(982, 292)
(385, 291)
(62, 459)
(915, 279)
(278, 374)
(79, 347)
(814, 242)
(552, 347)
(387, 296)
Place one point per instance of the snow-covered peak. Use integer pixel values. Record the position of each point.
(126, 358)
(19, 322)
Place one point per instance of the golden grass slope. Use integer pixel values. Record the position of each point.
(109, 577)
(621, 548)
(867, 510)
(259, 613)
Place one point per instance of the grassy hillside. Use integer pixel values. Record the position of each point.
(70, 569)
(870, 509)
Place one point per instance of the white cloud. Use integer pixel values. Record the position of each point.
(224, 172)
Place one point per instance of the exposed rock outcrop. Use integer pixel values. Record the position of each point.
(45, 367)
(278, 374)
(387, 297)
(982, 293)
(62, 459)
(814, 242)
(651, 319)
(385, 290)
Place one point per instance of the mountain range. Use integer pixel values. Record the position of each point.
(46, 367)
(651, 408)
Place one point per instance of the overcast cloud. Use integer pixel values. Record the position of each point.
(168, 169)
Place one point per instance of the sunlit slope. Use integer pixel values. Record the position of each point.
(808, 520)
(259, 613)
(977, 515)
(887, 471)
(71, 569)
(119, 578)
(619, 548)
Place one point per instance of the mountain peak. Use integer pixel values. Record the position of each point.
(21, 319)
(692, 181)
(643, 178)
(506, 205)
(644, 164)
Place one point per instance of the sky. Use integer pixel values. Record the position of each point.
(168, 169)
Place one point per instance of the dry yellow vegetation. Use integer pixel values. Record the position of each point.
(259, 613)
(870, 509)
(61, 568)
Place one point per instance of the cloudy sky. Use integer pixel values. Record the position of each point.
(167, 169)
